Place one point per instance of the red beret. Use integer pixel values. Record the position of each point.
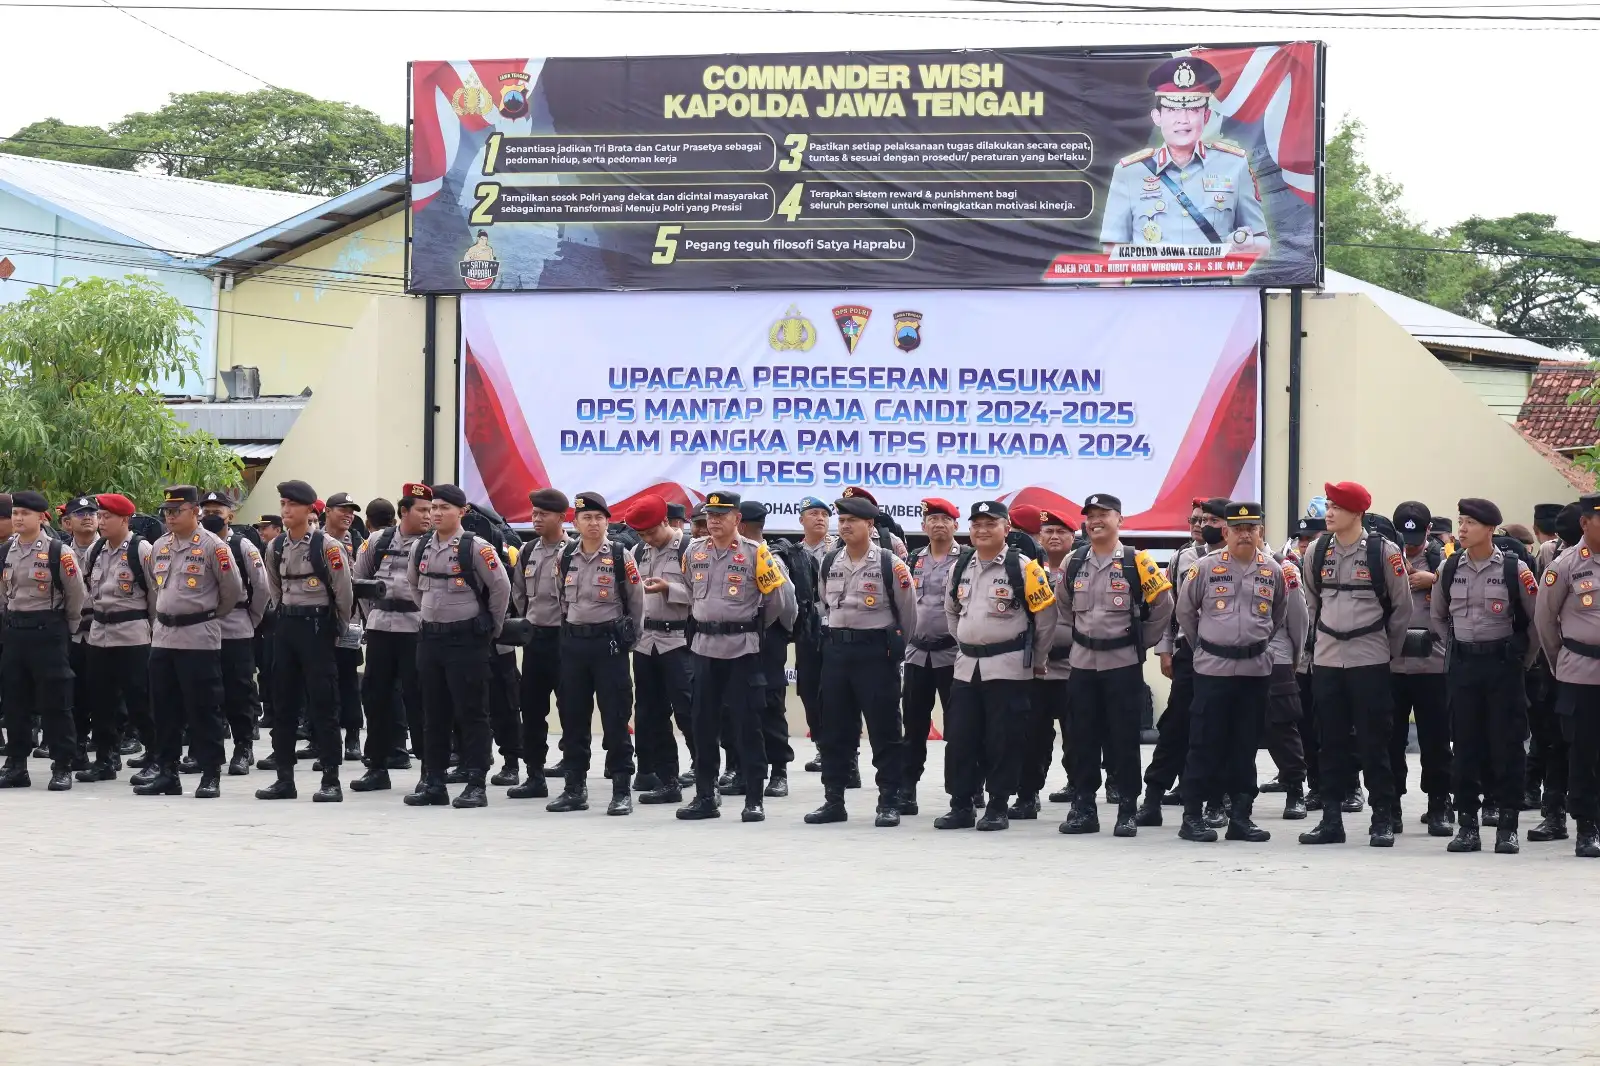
(319, 507)
(116, 503)
(1348, 495)
(1048, 517)
(934, 505)
(856, 492)
(416, 490)
(647, 512)
(1025, 516)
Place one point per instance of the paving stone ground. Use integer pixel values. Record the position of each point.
(176, 931)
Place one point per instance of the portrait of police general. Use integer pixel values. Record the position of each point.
(1189, 190)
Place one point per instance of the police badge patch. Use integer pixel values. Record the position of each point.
(907, 330)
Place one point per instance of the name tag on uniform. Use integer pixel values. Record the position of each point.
(1363, 574)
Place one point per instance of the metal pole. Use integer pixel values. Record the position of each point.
(430, 320)
(1295, 335)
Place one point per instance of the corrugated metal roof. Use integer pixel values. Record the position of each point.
(1438, 328)
(181, 216)
(240, 420)
(319, 220)
(260, 449)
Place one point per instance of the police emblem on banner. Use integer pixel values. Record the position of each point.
(852, 322)
(907, 330)
(792, 333)
(471, 99)
(514, 95)
(479, 267)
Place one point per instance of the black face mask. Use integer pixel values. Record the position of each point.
(1212, 535)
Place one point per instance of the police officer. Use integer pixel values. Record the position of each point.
(1206, 533)
(1307, 529)
(663, 668)
(868, 605)
(1188, 191)
(122, 596)
(1554, 752)
(339, 520)
(1360, 604)
(817, 542)
(78, 530)
(1050, 707)
(239, 700)
(602, 603)
(1483, 605)
(1233, 600)
(311, 584)
(462, 597)
(1567, 617)
(1544, 727)
(1119, 603)
(931, 649)
(42, 593)
(391, 634)
(536, 595)
(197, 585)
(735, 587)
(1002, 612)
(1417, 678)
(1283, 738)
(678, 517)
(774, 660)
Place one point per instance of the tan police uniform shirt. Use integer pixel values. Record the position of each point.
(853, 595)
(930, 581)
(982, 609)
(28, 586)
(81, 552)
(1568, 608)
(392, 566)
(1230, 602)
(443, 594)
(1347, 610)
(294, 581)
(735, 584)
(1177, 567)
(241, 624)
(599, 587)
(112, 590)
(1100, 604)
(193, 574)
(1060, 654)
(1421, 612)
(536, 583)
(672, 606)
(1480, 608)
(1289, 639)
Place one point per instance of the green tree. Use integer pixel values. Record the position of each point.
(1542, 282)
(1369, 234)
(269, 139)
(79, 410)
(53, 139)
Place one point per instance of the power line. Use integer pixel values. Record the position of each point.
(244, 262)
(216, 310)
(356, 288)
(188, 45)
(1054, 6)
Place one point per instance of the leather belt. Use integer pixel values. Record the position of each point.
(856, 636)
(180, 621)
(442, 629)
(1229, 651)
(1578, 647)
(302, 612)
(1483, 649)
(603, 630)
(726, 629)
(111, 618)
(933, 643)
(1103, 643)
(985, 651)
(665, 625)
(395, 606)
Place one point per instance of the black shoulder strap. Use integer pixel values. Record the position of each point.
(1075, 566)
(958, 571)
(135, 565)
(95, 551)
(469, 572)
(1130, 575)
(1319, 558)
(235, 546)
(886, 558)
(381, 543)
(1519, 621)
(1433, 552)
(419, 547)
(319, 562)
(826, 569)
(5, 554)
(1375, 572)
(565, 563)
(1447, 577)
(619, 552)
(55, 567)
(911, 559)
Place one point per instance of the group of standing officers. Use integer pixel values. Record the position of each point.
(1324, 651)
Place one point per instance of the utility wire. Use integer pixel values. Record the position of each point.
(188, 45)
(276, 164)
(220, 310)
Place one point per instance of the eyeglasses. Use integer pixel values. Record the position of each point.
(1199, 520)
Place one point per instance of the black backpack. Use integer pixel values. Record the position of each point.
(469, 573)
(1509, 560)
(134, 565)
(619, 553)
(54, 563)
(1375, 580)
(803, 574)
(1139, 612)
(319, 561)
(1019, 589)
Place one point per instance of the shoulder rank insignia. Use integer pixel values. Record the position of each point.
(1225, 146)
(1137, 157)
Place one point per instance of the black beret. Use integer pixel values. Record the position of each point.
(1568, 528)
(29, 500)
(1308, 525)
(591, 501)
(297, 492)
(1216, 507)
(553, 500)
(1479, 510)
(1440, 524)
(857, 506)
(675, 512)
(752, 511)
(989, 509)
(450, 494)
(1105, 501)
(1411, 519)
(1544, 516)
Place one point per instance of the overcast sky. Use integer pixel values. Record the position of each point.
(1471, 121)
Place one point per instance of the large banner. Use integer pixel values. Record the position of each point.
(884, 170)
(1038, 397)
